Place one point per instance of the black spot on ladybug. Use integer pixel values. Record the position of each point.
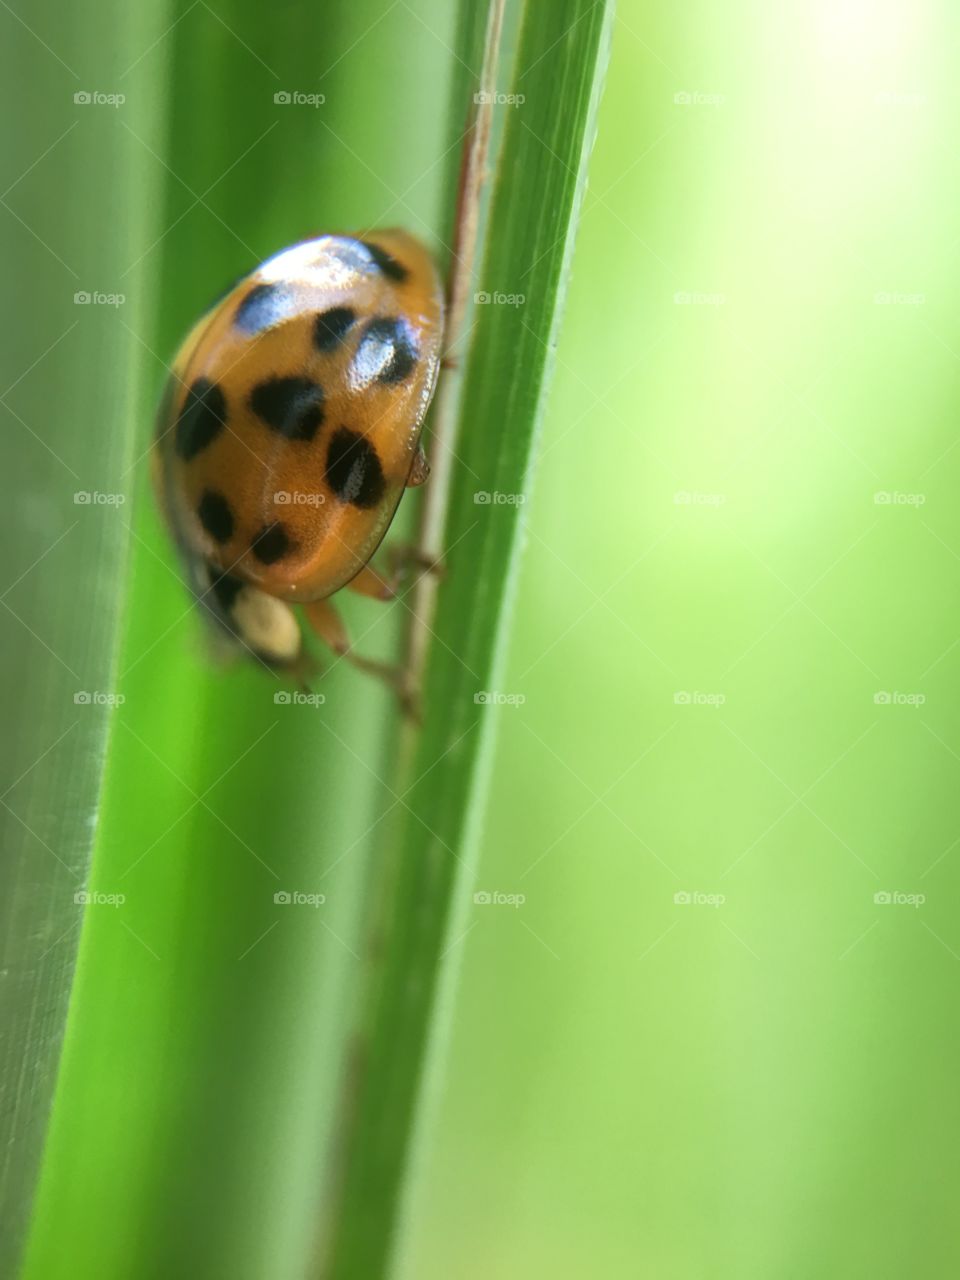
(354, 472)
(330, 327)
(215, 515)
(202, 418)
(387, 352)
(293, 407)
(387, 263)
(271, 543)
(264, 305)
(225, 589)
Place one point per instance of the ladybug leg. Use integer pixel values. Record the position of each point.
(420, 470)
(401, 559)
(328, 625)
(370, 582)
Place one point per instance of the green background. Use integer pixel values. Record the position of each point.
(767, 1087)
(761, 337)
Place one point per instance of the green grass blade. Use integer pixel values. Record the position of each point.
(205, 1017)
(79, 198)
(541, 174)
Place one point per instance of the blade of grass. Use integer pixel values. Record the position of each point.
(79, 196)
(194, 1107)
(425, 886)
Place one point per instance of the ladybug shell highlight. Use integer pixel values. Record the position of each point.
(292, 421)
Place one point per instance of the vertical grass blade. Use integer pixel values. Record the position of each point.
(206, 1017)
(547, 134)
(79, 197)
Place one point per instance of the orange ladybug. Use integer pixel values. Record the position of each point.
(290, 429)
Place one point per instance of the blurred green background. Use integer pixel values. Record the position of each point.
(718, 1035)
(765, 1087)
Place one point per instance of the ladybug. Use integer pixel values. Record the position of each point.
(289, 430)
